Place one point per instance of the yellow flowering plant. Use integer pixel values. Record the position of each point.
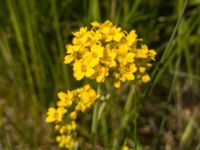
(106, 52)
(64, 116)
(103, 53)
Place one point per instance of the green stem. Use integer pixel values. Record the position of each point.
(177, 66)
(56, 25)
(95, 120)
(127, 113)
(94, 125)
(105, 131)
(168, 50)
(23, 52)
(135, 120)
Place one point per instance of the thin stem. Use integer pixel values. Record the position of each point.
(23, 52)
(127, 114)
(135, 120)
(56, 24)
(94, 125)
(156, 72)
(95, 120)
(174, 81)
(113, 10)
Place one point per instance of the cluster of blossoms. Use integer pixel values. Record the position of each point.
(107, 52)
(64, 116)
(104, 52)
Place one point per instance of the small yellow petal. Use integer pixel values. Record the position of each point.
(95, 24)
(73, 115)
(142, 69)
(117, 84)
(117, 37)
(146, 78)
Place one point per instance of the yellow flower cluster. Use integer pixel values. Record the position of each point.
(64, 116)
(107, 52)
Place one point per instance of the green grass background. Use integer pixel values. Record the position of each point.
(163, 114)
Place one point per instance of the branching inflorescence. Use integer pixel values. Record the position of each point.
(68, 106)
(104, 52)
(107, 52)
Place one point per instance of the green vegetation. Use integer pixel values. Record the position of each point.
(163, 114)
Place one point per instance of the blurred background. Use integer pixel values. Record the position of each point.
(33, 35)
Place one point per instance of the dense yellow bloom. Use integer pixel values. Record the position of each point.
(107, 52)
(65, 141)
(104, 52)
(87, 97)
(69, 104)
(83, 68)
(67, 128)
(65, 99)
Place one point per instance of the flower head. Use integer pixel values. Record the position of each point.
(55, 115)
(107, 52)
(70, 103)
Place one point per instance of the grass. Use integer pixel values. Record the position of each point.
(161, 115)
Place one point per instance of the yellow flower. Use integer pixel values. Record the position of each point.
(87, 97)
(73, 125)
(126, 58)
(65, 99)
(103, 72)
(117, 84)
(131, 38)
(96, 54)
(123, 48)
(118, 36)
(81, 69)
(109, 57)
(81, 32)
(68, 59)
(93, 38)
(63, 129)
(73, 115)
(152, 54)
(111, 32)
(142, 53)
(55, 115)
(142, 69)
(76, 100)
(95, 24)
(65, 141)
(149, 65)
(127, 72)
(126, 148)
(132, 68)
(146, 78)
(57, 127)
(73, 51)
